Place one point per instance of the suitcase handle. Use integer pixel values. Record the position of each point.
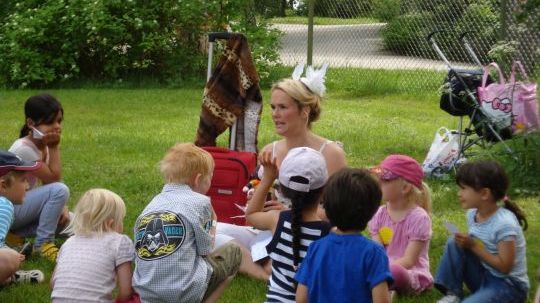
(219, 35)
(215, 149)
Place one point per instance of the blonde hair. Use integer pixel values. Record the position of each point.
(422, 197)
(302, 95)
(185, 160)
(94, 210)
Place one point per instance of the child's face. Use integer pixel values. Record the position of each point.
(392, 190)
(469, 197)
(16, 190)
(54, 127)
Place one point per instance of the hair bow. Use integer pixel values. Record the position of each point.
(314, 78)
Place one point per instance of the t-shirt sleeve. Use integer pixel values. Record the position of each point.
(420, 227)
(374, 223)
(377, 268)
(304, 271)
(126, 251)
(26, 152)
(6, 219)
(202, 224)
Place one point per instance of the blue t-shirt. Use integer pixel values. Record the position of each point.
(343, 268)
(6, 219)
(501, 226)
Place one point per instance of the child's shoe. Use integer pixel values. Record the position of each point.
(13, 240)
(449, 299)
(49, 251)
(28, 276)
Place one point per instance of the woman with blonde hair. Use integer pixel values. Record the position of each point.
(89, 262)
(296, 104)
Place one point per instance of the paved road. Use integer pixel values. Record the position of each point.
(348, 46)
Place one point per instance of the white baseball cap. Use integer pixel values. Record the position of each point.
(305, 162)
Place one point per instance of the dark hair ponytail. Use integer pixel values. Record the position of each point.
(490, 174)
(42, 109)
(299, 201)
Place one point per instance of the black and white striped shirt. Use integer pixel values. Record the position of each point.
(281, 285)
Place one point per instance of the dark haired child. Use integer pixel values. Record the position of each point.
(490, 257)
(44, 209)
(345, 266)
(302, 176)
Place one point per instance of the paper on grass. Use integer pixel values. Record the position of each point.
(258, 246)
(451, 227)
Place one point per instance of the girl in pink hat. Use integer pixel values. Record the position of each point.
(403, 223)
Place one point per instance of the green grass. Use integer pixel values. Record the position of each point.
(114, 138)
(323, 20)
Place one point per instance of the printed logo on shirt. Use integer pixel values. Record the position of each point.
(159, 234)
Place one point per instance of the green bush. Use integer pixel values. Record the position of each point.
(343, 8)
(48, 42)
(386, 10)
(406, 34)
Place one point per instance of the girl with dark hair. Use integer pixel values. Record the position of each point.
(490, 258)
(44, 208)
(302, 175)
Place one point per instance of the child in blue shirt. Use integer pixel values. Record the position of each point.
(490, 257)
(345, 266)
(13, 185)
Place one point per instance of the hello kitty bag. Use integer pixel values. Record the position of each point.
(496, 98)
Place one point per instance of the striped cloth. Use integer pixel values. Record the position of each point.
(281, 286)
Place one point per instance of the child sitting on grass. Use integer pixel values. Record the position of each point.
(345, 266)
(13, 186)
(98, 255)
(403, 223)
(302, 176)
(175, 232)
(490, 257)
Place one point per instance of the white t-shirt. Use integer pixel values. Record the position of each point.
(86, 265)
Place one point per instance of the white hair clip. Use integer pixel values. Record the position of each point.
(314, 78)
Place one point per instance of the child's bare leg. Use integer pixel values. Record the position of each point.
(10, 261)
(216, 294)
(250, 268)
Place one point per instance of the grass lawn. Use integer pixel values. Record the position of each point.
(114, 138)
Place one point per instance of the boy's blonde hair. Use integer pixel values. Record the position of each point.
(94, 210)
(422, 197)
(302, 96)
(183, 161)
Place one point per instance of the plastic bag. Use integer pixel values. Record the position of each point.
(443, 153)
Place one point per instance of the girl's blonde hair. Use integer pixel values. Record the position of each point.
(185, 160)
(422, 197)
(94, 210)
(302, 95)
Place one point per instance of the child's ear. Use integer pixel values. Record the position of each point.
(3, 185)
(196, 180)
(407, 188)
(485, 193)
(30, 122)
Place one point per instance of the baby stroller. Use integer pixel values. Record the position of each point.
(459, 98)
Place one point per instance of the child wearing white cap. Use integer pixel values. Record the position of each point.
(302, 176)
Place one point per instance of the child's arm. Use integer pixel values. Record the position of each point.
(503, 261)
(301, 294)
(380, 293)
(254, 212)
(411, 255)
(52, 171)
(124, 274)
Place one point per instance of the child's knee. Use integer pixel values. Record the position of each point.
(61, 191)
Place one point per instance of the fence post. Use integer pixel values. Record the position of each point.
(311, 10)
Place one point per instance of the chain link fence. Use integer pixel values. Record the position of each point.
(391, 34)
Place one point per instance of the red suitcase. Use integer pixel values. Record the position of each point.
(232, 172)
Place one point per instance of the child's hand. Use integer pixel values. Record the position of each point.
(273, 205)
(464, 241)
(21, 257)
(51, 139)
(268, 161)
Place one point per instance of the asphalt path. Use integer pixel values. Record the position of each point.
(358, 45)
